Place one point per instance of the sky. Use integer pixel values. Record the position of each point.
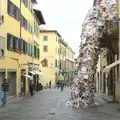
(65, 16)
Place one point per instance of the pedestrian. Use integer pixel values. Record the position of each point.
(50, 84)
(62, 85)
(31, 89)
(4, 87)
(58, 84)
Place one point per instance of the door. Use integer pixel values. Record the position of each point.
(12, 83)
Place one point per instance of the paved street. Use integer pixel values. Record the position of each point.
(49, 105)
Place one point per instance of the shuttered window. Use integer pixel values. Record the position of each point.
(21, 45)
(24, 22)
(16, 44)
(10, 42)
(13, 10)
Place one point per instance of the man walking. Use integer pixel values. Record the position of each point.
(4, 87)
(50, 84)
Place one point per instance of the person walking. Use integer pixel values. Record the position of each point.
(31, 90)
(62, 85)
(50, 84)
(4, 87)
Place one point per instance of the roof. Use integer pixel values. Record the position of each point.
(69, 48)
(44, 30)
(39, 16)
(63, 42)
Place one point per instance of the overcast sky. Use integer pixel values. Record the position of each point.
(65, 16)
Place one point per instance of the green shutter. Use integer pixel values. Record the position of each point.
(38, 53)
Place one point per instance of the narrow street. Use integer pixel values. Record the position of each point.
(49, 105)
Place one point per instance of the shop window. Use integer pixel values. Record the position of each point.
(10, 42)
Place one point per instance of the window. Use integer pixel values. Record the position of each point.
(45, 48)
(17, 13)
(10, 42)
(55, 63)
(13, 10)
(28, 49)
(35, 51)
(21, 45)
(25, 2)
(45, 38)
(24, 22)
(24, 46)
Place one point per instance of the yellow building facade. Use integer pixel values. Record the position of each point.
(49, 44)
(57, 52)
(20, 31)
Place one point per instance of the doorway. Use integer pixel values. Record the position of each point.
(12, 83)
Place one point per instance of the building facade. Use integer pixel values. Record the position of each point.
(58, 54)
(107, 76)
(70, 64)
(20, 44)
(49, 44)
(62, 53)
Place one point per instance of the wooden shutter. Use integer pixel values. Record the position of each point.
(8, 41)
(17, 13)
(16, 44)
(21, 45)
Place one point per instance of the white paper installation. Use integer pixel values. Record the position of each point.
(82, 90)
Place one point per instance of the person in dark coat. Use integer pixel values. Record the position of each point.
(31, 90)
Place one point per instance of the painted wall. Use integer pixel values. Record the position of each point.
(14, 60)
(51, 56)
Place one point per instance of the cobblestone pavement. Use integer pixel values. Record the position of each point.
(49, 105)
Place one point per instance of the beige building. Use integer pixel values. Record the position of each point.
(57, 53)
(49, 44)
(19, 44)
(62, 55)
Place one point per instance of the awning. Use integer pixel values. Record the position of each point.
(107, 69)
(38, 73)
(28, 76)
(32, 72)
